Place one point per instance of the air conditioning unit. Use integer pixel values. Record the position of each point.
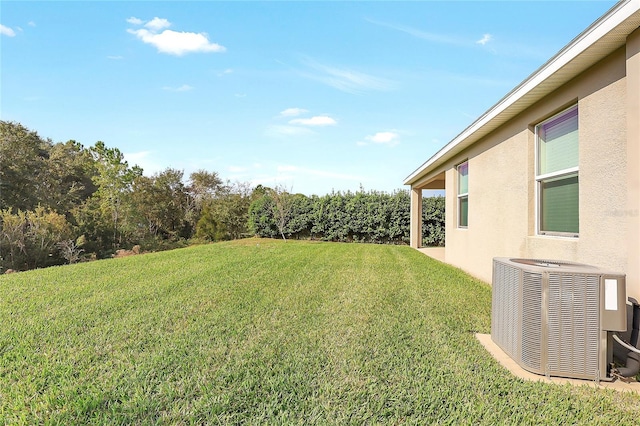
(555, 318)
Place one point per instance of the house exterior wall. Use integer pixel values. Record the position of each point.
(632, 212)
(502, 189)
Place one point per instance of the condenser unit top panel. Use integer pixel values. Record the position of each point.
(552, 266)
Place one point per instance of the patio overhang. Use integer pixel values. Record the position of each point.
(431, 182)
(434, 182)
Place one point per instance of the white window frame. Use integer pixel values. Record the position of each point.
(461, 196)
(540, 178)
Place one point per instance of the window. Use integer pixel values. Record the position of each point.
(463, 195)
(557, 174)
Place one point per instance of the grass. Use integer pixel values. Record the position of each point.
(266, 332)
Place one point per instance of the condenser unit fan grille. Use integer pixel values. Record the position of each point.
(573, 321)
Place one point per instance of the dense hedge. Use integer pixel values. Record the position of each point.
(372, 217)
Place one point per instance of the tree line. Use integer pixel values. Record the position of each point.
(362, 216)
(64, 202)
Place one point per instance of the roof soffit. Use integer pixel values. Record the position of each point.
(593, 45)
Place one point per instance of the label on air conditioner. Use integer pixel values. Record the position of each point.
(611, 294)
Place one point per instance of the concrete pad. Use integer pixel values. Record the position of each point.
(436, 253)
(508, 363)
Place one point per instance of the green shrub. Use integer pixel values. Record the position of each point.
(433, 221)
(368, 217)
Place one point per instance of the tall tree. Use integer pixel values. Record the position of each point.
(95, 224)
(203, 187)
(68, 180)
(227, 215)
(22, 164)
(160, 201)
(114, 181)
(281, 207)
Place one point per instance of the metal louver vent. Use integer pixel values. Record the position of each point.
(573, 325)
(503, 321)
(549, 316)
(532, 319)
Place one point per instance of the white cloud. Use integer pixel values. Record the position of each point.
(278, 130)
(292, 112)
(178, 43)
(115, 57)
(31, 24)
(7, 31)
(172, 42)
(156, 24)
(319, 120)
(183, 88)
(225, 72)
(347, 80)
(382, 138)
(485, 39)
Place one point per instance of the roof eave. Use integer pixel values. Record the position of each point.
(600, 39)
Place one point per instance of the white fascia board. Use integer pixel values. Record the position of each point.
(596, 31)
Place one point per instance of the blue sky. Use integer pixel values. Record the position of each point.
(314, 96)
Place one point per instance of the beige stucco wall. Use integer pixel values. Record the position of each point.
(632, 212)
(502, 203)
(498, 202)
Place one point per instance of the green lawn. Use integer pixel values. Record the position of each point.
(267, 332)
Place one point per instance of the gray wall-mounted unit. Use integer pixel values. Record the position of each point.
(555, 318)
